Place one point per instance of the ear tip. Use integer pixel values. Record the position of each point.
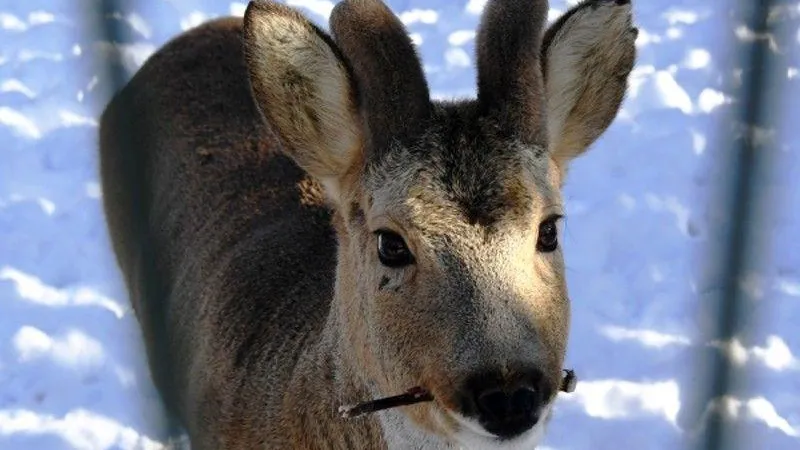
(360, 8)
(360, 17)
(360, 3)
(339, 10)
(262, 8)
(259, 6)
(503, 11)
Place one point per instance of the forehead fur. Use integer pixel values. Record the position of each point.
(464, 168)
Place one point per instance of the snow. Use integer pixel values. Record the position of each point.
(322, 8)
(647, 338)
(414, 16)
(13, 85)
(757, 409)
(461, 37)
(617, 399)
(194, 19)
(136, 22)
(642, 214)
(19, 123)
(776, 355)
(475, 7)
(697, 58)
(11, 22)
(78, 429)
(457, 58)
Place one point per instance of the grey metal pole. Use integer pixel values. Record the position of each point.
(104, 28)
(745, 169)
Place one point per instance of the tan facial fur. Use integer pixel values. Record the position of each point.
(466, 185)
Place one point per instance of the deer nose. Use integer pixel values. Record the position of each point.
(505, 409)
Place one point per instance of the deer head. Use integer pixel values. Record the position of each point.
(450, 275)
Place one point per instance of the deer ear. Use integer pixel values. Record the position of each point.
(303, 89)
(587, 56)
(393, 92)
(509, 68)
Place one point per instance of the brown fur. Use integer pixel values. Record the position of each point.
(509, 66)
(246, 168)
(387, 71)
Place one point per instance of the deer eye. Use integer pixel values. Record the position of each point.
(548, 235)
(392, 250)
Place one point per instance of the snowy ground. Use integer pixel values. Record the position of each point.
(640, 219)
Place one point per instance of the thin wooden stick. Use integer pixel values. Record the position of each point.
(412, 396)
(420, 395)
(570, 381)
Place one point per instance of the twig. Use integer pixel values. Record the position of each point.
(412, 396)
(570, 381)
(419, 395)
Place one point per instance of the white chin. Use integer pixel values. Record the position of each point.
(472, 436)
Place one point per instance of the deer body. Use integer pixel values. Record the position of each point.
(300, 227)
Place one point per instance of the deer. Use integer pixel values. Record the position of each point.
(301, 227)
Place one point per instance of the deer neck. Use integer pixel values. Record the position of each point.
(322, 381)
(327, 376)
(335, 371)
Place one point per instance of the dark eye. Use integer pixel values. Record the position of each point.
(548, 235)
(392, 250)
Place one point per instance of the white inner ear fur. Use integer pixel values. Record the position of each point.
(308, 97)
(570, 58)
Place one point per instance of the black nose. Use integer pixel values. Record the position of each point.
(505, 409)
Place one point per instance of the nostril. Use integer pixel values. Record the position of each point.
(497, 404)
(494, 404)
(524, 400)
(505, 404)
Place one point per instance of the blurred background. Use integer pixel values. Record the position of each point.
(646, 235)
